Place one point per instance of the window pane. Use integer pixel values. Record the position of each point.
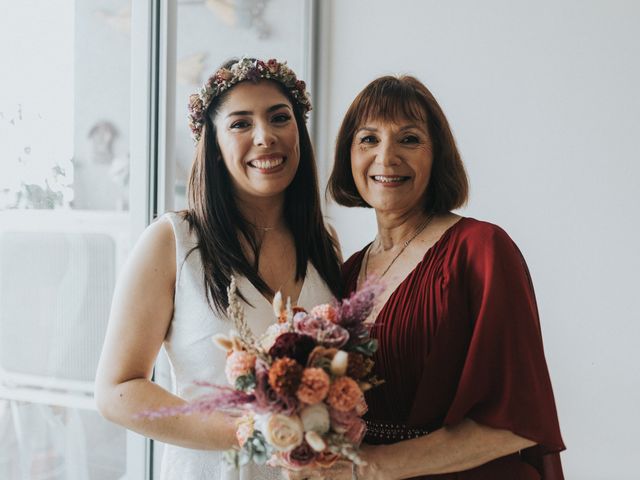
(64, 230)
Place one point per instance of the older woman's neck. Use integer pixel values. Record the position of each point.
(396, 228)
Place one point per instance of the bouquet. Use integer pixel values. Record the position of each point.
(299, 389)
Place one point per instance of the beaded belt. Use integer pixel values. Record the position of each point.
(392, 432)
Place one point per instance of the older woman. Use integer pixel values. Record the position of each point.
(467, 393)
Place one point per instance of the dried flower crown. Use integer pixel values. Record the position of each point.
(243, 69)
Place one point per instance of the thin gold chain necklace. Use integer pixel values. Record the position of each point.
(418, 231)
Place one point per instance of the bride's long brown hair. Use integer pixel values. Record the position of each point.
(216, 220)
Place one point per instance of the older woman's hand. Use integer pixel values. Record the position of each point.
(344, 470)
(341, 470)
(372, 469)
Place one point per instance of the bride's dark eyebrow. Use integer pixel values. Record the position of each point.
(249, 112)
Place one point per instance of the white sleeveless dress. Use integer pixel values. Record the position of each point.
(193, 356)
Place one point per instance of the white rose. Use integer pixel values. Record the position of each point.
(315, 418)
(282, 432)
(271, 333)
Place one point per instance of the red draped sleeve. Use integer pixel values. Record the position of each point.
(460, 338)
(504, 381)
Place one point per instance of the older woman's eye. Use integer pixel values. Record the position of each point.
(368, 139)
(281, 118)
(411, 139)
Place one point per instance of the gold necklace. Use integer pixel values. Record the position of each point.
(419, 230)
(264, 229)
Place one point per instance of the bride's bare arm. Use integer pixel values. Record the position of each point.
(140, 316)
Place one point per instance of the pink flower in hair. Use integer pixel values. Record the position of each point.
(273, 65)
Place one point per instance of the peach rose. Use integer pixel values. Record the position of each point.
(239, 363)
(344, 394)
(314, 386)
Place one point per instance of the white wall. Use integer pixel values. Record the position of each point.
(544, 101)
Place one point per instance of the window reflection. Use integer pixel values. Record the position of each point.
(64, 230)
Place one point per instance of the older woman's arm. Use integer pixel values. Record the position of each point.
(449, 449)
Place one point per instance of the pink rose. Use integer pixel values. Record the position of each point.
(322, 330)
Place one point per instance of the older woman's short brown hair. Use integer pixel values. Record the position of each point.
(390, 99)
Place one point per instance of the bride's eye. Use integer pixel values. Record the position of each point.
(281, 118)
(239, 124)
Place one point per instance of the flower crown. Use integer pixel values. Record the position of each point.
(243, 69)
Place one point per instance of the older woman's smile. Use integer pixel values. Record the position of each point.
(389, 180)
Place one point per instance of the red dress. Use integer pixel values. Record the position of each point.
(460, 338)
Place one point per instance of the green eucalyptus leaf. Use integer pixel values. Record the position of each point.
(246, 382)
